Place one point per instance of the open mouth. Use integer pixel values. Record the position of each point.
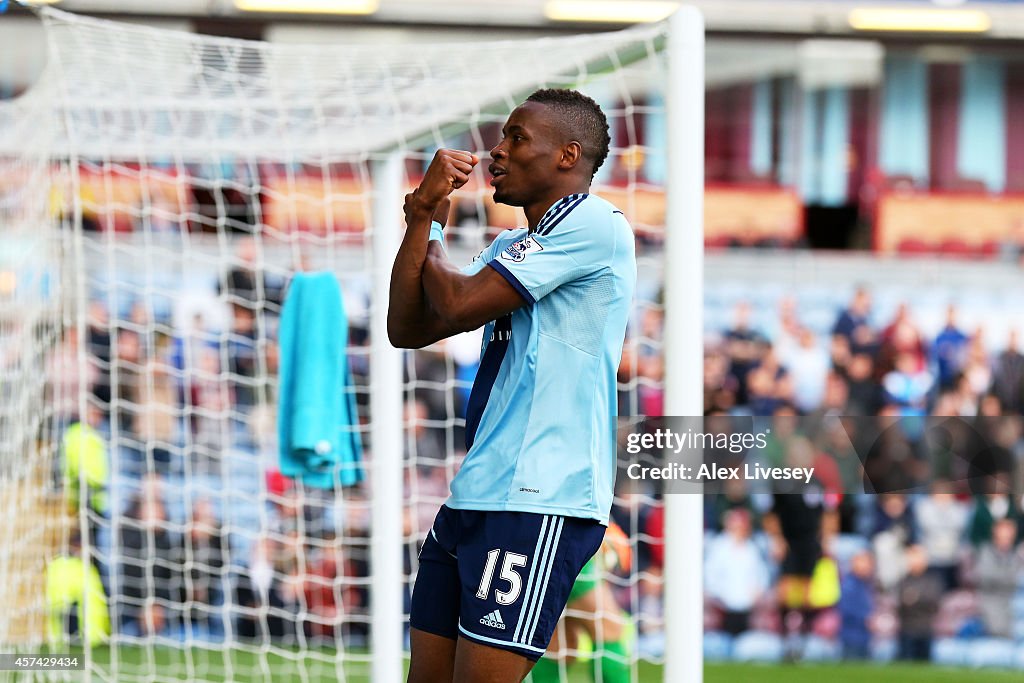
(498, 173)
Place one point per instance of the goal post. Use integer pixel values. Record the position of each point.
(176, 182)
(684, 325)
(386, 400)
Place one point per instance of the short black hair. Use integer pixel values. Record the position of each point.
(583, 120)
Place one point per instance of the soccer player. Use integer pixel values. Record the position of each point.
(592, 611)
(529, 506)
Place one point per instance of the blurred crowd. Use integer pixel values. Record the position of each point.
(195, 534)
(902, 542)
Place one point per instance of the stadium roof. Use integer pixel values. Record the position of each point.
(804, 17)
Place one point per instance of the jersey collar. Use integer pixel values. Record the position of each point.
(559, 210)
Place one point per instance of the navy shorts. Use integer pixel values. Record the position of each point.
(500, 578)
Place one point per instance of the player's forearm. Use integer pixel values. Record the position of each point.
(410, 319)
(412, 322)
(439, 283)
(408, 312)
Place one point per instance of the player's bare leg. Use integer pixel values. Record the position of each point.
(603, 620)
(564, 641)
(433, 658)
(596, 613)
(476, 663)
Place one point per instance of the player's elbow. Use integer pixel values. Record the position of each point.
(406, 336)
(407, 341)
(397, 339)
(400, 335)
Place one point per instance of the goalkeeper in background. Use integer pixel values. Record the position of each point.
(593, 611)
(530, 503)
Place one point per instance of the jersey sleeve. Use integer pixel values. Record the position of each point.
(537, 264)
(479, 261)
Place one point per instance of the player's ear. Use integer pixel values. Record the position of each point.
(572, 152)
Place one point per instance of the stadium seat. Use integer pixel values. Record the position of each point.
(956, 247)
(765, 617)
(991, 652)
(1018, 604)
(845, 546)
(712, 615)
(717, 646)
(955, 609)
(911, 246)
(826, 624)
(886, 622)
(818, 649)
(900, 183)
(243, 471)
(651, 645)
(175, 504)
(884, 650)
(819, 318)
(990, 249)
(950, 651)
(758, 646)
(967, 184)
(1019, 659)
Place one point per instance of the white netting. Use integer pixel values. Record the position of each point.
(197, 175)
(33, 351)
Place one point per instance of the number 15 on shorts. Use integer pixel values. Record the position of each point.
(508, 573)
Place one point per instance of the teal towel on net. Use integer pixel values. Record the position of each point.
(316, 413)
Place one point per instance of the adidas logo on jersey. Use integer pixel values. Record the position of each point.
(493, 620)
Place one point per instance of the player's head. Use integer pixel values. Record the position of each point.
(555, 139)
(581, 120)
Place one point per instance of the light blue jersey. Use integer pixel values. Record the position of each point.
(540, 426)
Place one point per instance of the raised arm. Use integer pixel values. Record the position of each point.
(430, 298)
(411, 323)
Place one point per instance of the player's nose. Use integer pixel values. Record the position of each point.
(498, 151)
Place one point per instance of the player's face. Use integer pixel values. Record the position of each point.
(526, 159)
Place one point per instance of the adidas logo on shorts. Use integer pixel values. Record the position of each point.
(493, 620)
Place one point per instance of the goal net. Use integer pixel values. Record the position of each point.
(158, 191)
(32, 345)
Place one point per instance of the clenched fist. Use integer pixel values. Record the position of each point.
(448, 171)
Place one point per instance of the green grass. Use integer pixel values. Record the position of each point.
(172, 664)
(851, 673)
